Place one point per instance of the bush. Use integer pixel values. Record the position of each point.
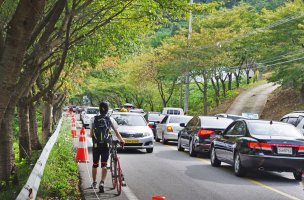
(61, 179)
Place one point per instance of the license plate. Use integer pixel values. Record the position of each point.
(131, 141)
(285, 150)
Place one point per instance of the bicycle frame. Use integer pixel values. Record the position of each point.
(116, 172)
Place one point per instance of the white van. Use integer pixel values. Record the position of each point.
(172, 111)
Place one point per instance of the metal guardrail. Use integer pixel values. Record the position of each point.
(30, 189)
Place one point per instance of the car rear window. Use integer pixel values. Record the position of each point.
(179, 119)
(214, 122)
(155, 117)
(173, 112)
(292, 120)
(274, 129)
(129, 120)
(92, 111)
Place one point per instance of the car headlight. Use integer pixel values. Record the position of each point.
(147, 134)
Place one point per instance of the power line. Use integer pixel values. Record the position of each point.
(282, 58)
(273, 25)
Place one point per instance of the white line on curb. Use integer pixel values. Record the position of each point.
(128, 192)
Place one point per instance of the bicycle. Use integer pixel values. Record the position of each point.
(115, 168)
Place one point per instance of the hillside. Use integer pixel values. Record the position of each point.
(281, 102)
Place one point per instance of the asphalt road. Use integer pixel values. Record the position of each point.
(252, 100)
(177, 176)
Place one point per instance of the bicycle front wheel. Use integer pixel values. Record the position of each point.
(113, 168)
(119, 177)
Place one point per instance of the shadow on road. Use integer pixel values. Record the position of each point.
(225, 175)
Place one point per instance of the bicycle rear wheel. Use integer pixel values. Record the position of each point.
(113, 168)
(119, 177)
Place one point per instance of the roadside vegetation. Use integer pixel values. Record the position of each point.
(61, 179)
(136, 52)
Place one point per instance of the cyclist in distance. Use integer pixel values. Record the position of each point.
(100, 133)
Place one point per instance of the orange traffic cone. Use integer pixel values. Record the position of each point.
(82, 131)
(82, 150)
(73, 130)
(158, 198)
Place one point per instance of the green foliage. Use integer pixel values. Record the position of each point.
(60, 179)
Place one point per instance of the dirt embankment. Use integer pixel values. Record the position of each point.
(281, 102)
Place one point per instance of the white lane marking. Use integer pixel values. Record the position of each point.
(129, 194)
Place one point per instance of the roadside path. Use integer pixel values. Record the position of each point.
(252, 100)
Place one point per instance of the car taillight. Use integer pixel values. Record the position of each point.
(301, 149)
(258, 145)
(205, 132)
(169, 129)
(150, 125)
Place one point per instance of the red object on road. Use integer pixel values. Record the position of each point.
(82, 150)
(158, 198)
(73, 130)
(82, 131)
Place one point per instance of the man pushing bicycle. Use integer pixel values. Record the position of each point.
(100, 133)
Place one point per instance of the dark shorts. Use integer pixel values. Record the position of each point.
(100, 154)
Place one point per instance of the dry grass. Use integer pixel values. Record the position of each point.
(281, 102)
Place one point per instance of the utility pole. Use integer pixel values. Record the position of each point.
(187, 81)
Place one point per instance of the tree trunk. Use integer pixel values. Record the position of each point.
(224, 87)
(35, 143)
(205, 98)
(187, 88)
(216, 92)
(25, 151)
(237, 79)
(46, 121)
(247, 77)
(18, 35)
(229, 81)
(7, 156)
(181, 95)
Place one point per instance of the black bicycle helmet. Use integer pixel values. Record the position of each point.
(103, 108)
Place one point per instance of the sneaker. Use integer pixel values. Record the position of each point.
(94, 185)
(101, 187)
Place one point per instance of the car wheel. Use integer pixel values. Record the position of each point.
(179, 145)
(149, 150)
(156, 138)
(192, 152)
(214, 161)
(297, 175)
(239, 170)
(164, 140)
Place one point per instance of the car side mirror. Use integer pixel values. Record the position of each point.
(158, 122)
(182, 125)
(221, 132)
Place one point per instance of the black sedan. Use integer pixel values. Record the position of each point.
(199, 132)
(260, 145)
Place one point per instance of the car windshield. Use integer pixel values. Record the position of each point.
(129, 120)
(92, 111)
(179, 119)
(286, 130)
(155, 117)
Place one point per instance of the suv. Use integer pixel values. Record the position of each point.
(295, 118)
